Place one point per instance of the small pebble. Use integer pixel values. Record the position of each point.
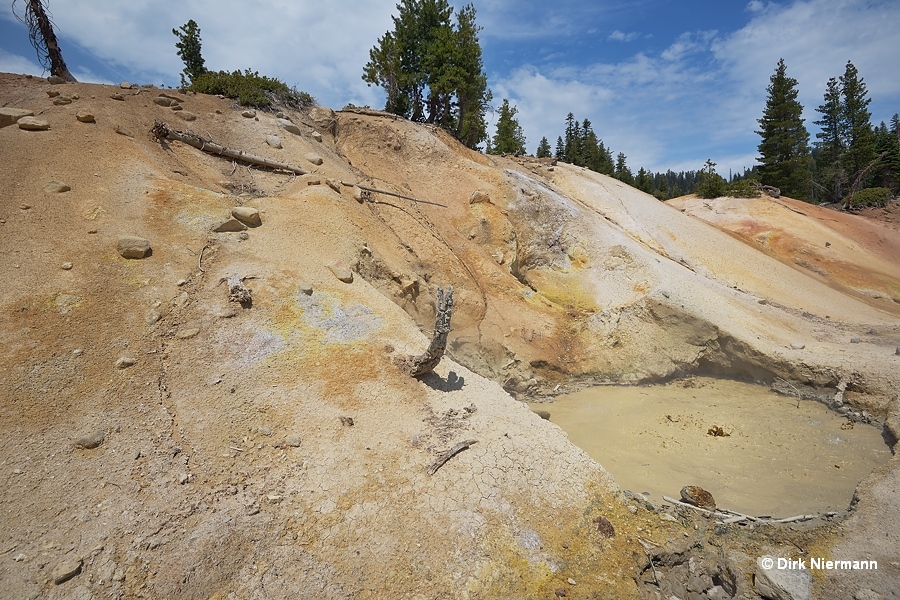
(124, 362)
(183, 478)
(19, 557)
(91, 440)
(181, 282)
(244, 235)
(67, 266)
(570, 581)
(66, 571)
(264, 431)
(77, 352)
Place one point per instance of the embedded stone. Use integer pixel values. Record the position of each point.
(314, 159)
(247, 215)
(84, 116)
(132, 246)
(231, 225)
(56, 187)
(696, 495)
(62, 100)
(288, 126)
(249, 113)
(33, 124)
(341, 272)
(125, 85)
(9, 115)
(187, 116)
(91, 440)
(55, 80)
(479, 196)
(274, 141)
(66, 570)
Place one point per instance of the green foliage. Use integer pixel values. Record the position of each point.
(743, 188)
(431, 70)
(509, 138)
(784, 149)
(583, 148)
(188, 45)
(543, 149)
(622, 172)
(875, 196)
(712, 185)
(251, 89)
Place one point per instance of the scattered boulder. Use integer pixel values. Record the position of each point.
(696, 495)
(132, 246)
(781, 584)
(289, 127)
(798, 345)
(479, 196)
(124, 362)
(317, 136)
(62, 100)
(118, 97)
(9, 115)
(274, 141)
(91, 440)
(122, 131)
(152, 317)
(125, 85)
(55, 80)
(249, 113)
(324, 118)
(56, 187)
(358, 194)
(176, 107)
(231, 225)
(292, 441)
(84, 116)
(342, 272)
(165, 101)
(247, 215)
(187, 333)
(187, 116)
(66, 570)
(314, 159)
(333, 185)
(33, 124)
(52, 93)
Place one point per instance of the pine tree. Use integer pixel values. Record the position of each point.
(711, 184)
(509, 138)
(188, 45)
(643, 181)
(543, 149)
(784, 149)
(830, 145)
(622, 172)
(560, 149)
(857, 124)
(431, 70)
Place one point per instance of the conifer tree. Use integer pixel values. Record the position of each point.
(622, 172)
(509, 138)
(543, 149)
(784, 149)
(188, 45)
(560, 149)
(43, 38)
(830, 145)
(857, 123)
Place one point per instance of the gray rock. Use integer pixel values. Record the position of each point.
(479, 196)
(280, 115)
(897, 351)
(66, 570)
(292, 441)
(248, 114)
(781, 584)
(230, 225)
(84, 116)
(33, 124)
(91, 440)
(289, 127)
(305, 288)
(266, 431)
(122, 131)
(118, 97)
(183, 478)
(358, 194)
(66, 266)
(52, 93)
(187, 333)
(342, 272)
(247, 215)
(324, 118)
(187, 116)
(133, 246)
(163, 101)
(62, 100)
(124, 362)
(177, 107)
(717, 593)
(317, 136)
(9, 115)
(55, 80)
(152, 317)
(798, 345)
(56, 187)
(125, 85)
(855, 340)
(274, 141)
(119, 575)
(314, 158)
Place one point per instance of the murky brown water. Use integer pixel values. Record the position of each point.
(777, 460)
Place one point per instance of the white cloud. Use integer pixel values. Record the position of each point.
(13, 63)
(621, 36)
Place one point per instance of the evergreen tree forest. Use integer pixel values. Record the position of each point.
(432, 70)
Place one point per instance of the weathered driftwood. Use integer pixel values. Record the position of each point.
(419, 365)
(161, 131)
(445, 456)
(728, 517)
(389, 193)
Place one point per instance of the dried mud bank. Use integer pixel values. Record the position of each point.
(267, 447)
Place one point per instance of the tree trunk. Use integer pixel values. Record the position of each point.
(45, 28)
(417, 366)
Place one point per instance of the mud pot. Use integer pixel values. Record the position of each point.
(754, 450)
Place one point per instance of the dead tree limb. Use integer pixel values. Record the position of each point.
(161, 131)
(386, 192)
(445, 456)
(417, 366)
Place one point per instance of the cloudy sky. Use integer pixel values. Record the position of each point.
(670, 83)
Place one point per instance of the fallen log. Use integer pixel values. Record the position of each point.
(421, 364)
(444, 457)
(161, 132)
(389, 193)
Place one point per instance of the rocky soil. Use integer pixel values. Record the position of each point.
(169, 434)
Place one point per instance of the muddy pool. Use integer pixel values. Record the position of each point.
(770, 457)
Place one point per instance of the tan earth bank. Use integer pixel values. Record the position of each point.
(161, 441)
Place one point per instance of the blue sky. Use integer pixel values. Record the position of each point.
(669, 83)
